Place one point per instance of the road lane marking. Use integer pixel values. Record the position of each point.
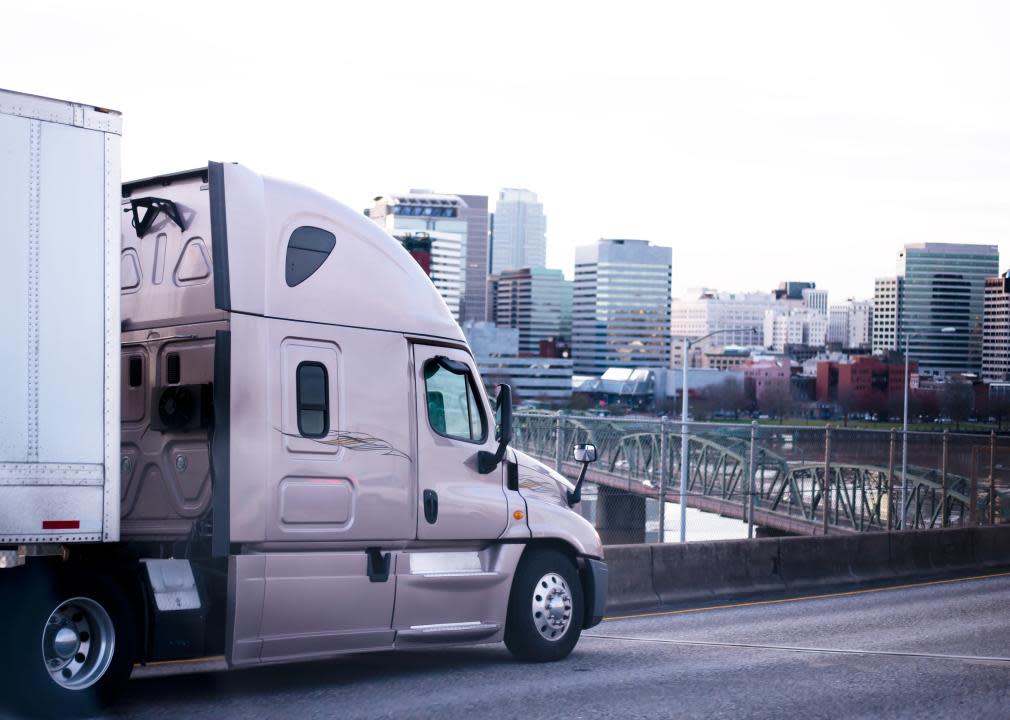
(848, 593)
(218, 658)
(792, 648)
(184, 661)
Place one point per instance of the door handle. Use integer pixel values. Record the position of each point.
(430, 506)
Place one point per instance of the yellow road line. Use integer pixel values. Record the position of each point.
(805, 597)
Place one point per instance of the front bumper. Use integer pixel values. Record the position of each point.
(594, 584)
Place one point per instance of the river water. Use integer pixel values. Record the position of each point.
(700, 525)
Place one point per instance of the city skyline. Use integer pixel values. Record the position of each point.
(749, 138)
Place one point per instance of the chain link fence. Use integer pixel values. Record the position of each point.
(750, 479)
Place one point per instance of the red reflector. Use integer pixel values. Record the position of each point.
(61, 524)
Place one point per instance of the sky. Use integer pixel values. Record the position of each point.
(762, 141)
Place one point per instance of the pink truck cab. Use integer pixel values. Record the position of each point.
(308, 464)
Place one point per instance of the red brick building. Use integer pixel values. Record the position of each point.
(866, 382)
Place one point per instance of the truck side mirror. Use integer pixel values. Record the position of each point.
(584, 454)
(488, 461)
(503, 414)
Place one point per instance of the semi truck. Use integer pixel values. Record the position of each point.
(237, 418)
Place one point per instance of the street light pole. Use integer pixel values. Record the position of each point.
(904, 446)
(904, 432)
(683, 444)
(683, 423)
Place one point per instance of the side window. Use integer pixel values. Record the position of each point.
(312, 391)
(453, 408)
(308, 248)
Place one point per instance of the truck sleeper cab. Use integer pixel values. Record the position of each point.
(302, 427)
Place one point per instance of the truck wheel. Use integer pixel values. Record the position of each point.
(545, 607)
(73, 644)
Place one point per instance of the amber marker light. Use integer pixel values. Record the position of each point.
(518, 514)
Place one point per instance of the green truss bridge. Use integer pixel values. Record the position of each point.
(801, 480)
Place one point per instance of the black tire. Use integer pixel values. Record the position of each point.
(40, 592)
(528, 637)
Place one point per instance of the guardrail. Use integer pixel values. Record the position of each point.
(790, 478)
(707, 572)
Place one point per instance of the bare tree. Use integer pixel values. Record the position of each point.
(999, 408)
(957, 402)
(847, 404)
(777, 399)
(728, 396)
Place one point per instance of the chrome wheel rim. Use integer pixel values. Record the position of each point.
(552, 607)
(78, 642)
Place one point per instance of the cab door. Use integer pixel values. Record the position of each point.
(454, 423)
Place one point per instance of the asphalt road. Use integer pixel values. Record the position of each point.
(926, 651)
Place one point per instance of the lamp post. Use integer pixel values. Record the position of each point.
(688, 342)
(904, 432)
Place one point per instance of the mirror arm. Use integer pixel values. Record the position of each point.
(488, 461)
(575, 495)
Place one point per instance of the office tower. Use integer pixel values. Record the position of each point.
(850, 324)
(815, 299)
(886, 307)
(432, 224)
(792, 290)
(796, 327)
(996, 329)
(519, 237)
(738, 318)
(838, 325)
(944, 287)
(621, 305)
(478, 238)
(860, 324)
(530, 300)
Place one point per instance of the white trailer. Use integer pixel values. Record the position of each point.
(59, 320)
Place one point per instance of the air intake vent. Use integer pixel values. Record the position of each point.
(136, 371)
(173, 369)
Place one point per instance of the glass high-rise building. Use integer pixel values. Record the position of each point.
(475, 212)
(519, 237)
(621, 305)
(943, 285)
(532, 300)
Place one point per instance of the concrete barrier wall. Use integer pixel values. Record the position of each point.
(649, 575)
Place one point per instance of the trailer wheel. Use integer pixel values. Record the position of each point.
(73, 643)
(545, 607)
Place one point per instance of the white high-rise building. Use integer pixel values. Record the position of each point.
(518, 237)
(737, 317)
(850, 324)
(886, 306)
(996, 330)
(815, 299)
(794, 327)
(816, 329)
(621, 305)
(860, 324)
(838, 324)
(433, 228)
